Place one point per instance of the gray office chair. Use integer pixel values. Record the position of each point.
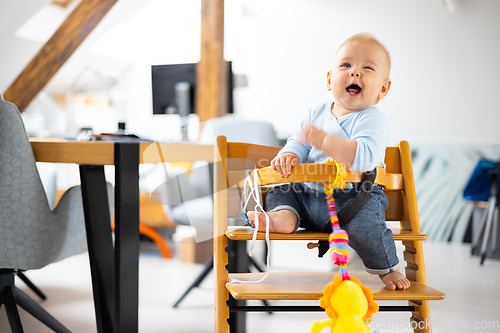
(48, 176)
(188, 199)
(32, 235)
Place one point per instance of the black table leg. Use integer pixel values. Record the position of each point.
(100, 244)
(127, 237)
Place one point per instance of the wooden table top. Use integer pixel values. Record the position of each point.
(102, 152)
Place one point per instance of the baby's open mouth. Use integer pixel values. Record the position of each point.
(353, 89)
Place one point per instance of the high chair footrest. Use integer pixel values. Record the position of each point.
(310, 285)
(246, 233)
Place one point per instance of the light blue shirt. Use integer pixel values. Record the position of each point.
(369, 127)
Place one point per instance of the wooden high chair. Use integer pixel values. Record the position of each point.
(231, 161)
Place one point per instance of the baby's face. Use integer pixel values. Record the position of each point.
(359, 76)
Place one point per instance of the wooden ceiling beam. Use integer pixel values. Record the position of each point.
(212, 70)
(56, 51)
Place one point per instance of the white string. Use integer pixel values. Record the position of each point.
(254, 193)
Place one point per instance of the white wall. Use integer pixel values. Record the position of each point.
(13, 14)
(445, 65)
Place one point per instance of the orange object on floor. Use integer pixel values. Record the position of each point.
(152, 234)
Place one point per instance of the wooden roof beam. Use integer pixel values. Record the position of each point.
(212, 70)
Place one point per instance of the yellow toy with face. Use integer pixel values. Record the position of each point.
(348, 304)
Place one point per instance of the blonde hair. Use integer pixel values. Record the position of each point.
(366, 38)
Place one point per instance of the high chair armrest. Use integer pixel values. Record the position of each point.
(320, 172)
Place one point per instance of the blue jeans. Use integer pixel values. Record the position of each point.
(367, 231)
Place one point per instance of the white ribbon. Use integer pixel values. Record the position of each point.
(255, 194)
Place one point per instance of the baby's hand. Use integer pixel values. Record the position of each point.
(284, 163)
(313, 135)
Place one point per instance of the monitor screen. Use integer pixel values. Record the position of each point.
(164, 79)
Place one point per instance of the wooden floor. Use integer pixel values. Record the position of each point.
(472, 302)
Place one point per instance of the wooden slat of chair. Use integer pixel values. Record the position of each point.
(310, 285)
(261, 156)
(246, 233)
(315, 173)
(318, 173)
(402, 207)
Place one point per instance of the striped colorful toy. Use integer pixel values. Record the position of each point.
(338, 240)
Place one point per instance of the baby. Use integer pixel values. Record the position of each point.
(351, 130)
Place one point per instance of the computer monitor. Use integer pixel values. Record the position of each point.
(165, 78)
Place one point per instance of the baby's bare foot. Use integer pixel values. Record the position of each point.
(395, 280)
(282, 221)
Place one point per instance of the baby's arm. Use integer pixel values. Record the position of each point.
(342, 150)
(283, 163)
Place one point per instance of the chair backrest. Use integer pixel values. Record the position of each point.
(23, 201)
(239, 130)
(47, 175)
(19, 178)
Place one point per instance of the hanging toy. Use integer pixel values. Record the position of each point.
(348, 304)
